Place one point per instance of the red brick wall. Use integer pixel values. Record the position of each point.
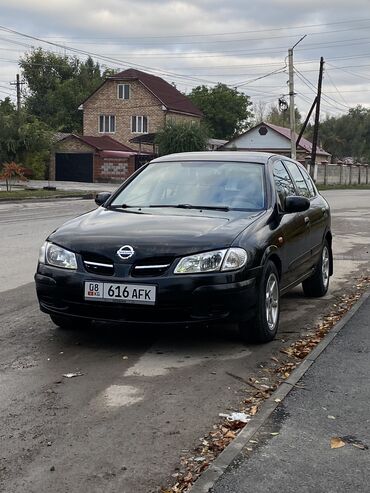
(114, 170)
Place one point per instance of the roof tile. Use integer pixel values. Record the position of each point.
(167, 94)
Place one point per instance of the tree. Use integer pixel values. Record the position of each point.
(346, 135)
(281, 118)
(259, 111)
(57, 85)
(226, 111)
(11, 172)
(23, 138)
(181, 137)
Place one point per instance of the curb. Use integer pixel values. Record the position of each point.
(83, 196)
(208, 479)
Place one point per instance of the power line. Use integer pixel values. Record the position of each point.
(277, 71)
(126, 40)
(84, 52)
(324, 96)
(348, 21)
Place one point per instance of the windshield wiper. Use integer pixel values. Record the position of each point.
(190, 206)
(124, 206)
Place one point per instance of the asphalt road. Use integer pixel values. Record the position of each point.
(146, 395)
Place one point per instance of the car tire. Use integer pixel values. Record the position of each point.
(264, 325)
(317, 285)
(68, 323)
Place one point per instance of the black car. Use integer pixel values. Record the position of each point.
(192, 237)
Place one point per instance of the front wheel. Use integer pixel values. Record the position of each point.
(69, 323)
(264, 325)
(317, 285)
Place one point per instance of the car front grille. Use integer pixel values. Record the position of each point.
(152, 267)
(98, 264)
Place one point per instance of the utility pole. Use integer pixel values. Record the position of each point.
(317, 116)
(293, 150)
(18, 83)
(306, 121)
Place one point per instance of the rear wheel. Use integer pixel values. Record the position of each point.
(69, 323)
(264, 325)
(317, 285)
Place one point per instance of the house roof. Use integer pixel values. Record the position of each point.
(166, 93)
(144, 139)
(285, 132)
(101, 143)
(304, 143)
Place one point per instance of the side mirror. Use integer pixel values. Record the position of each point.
(102, 197)
(296, 204)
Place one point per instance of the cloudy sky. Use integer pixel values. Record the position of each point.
(238, 42)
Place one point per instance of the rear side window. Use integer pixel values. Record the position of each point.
(298, 179)
(308, 181)
(283, 182)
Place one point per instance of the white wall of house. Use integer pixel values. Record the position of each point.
(253, 140)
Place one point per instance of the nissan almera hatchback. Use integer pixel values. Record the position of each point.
(192, 237)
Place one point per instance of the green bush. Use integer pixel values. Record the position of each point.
(181, 137)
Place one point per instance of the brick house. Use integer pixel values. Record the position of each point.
(133, 103)
(91, 159)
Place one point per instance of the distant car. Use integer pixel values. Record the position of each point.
(192, 237)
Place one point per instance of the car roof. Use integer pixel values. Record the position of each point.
(239, 156)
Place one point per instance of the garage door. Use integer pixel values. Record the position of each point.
(74, 167)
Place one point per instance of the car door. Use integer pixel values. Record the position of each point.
(319, 213)
(292, 228)
(308, 216)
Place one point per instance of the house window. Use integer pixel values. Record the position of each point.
(139, 124)
(107, 124)
(123, 91)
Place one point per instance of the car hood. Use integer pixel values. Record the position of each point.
(152, 232)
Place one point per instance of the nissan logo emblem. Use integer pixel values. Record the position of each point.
(125, 252)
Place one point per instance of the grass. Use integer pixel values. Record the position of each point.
(43, 194)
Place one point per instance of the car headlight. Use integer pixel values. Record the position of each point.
(216, 260)
(55, 255)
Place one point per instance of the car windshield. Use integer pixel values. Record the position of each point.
(196, 184)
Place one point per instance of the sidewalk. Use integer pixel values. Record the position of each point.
(300, 458)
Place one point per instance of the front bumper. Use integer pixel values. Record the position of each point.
(180, 298)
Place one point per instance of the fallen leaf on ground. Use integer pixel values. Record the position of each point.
(253, 410)
(356, 442)
(361, 446)
(230, 434)
(337, 442)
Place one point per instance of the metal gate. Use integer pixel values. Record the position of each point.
(74, 167)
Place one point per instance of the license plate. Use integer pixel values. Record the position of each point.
(121, 293)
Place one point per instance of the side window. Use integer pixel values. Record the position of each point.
(298, 179)
(283, 182)
(308, 181)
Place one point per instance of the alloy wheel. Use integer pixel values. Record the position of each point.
(325, 266)
(272, 301)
